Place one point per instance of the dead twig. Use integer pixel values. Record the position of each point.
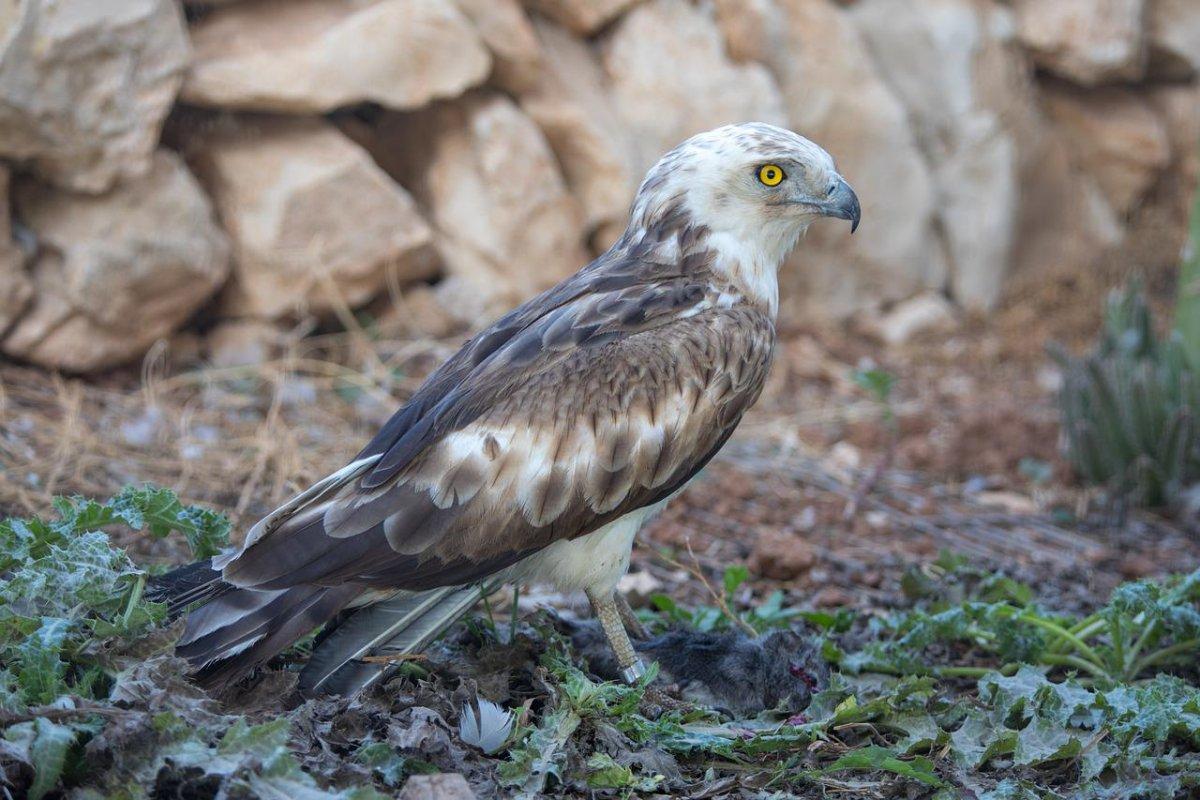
(719, 598)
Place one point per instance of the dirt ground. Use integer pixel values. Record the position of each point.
(817, 493)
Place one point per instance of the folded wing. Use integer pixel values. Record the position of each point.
(585, 404)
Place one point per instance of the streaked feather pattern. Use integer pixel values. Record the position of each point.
(575, 414)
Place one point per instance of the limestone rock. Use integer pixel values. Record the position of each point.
(17, 288)
(1179, 106)
(952, 65)
(835, 96)
(508, 34)
(506, 227)
(752, 29)
(670, 77)
(417, 313)
(85, 86)
(583, 17)
(571, 106)
(316, 55)
(308, 212)
(1173, 28)
(1116, 137)
(115, 272)
(1089, 42)
(924, 313)
(239, 343)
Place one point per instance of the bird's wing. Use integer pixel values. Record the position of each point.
(595, 406)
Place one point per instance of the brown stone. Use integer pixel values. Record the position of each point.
(505, 225)
(1090, 42)
(953, 65)
(243, 342)
(118, 271)
(781, 555)
(309, 213)
(508, 34)
(583, 17)
(85, 86)
(572, 107)
(16, 289)
(295, 55)
(836, 97)
(752, 30)
(1173, 28)
(670, 77)
(1115, 135)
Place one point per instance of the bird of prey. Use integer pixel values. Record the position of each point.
(536, 452)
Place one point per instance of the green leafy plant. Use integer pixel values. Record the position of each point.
(1127, 409)
(69, 601)
(995, 624)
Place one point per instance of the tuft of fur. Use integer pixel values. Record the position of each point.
(733, 672)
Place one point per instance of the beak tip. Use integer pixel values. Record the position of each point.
(845, 205)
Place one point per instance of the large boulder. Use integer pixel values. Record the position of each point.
(505, 225)
(953, 65)
(1090, 42)
(836, 96)
(508, 34)
(753, 30)
(118, 271)
(85, 86)
(17, 286)
(583, 17)
(573, 109)
(1117, 138)
(670, 77)
(316, 55)
(309, 213)
(1173, 28)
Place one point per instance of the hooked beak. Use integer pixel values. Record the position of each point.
(843, 204)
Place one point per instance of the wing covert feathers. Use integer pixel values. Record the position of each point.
(539, 453)
(600, 397)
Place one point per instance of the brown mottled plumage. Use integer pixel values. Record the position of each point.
(535, 452)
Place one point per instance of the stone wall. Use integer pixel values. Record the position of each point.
(326, 153)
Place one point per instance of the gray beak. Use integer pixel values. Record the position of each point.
(843, 204)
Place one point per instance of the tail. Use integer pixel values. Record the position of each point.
(403, 624)
(229, 630)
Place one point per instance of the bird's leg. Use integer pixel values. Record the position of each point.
(605, 609)
(632, 624)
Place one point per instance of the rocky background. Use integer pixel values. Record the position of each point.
(230, 169)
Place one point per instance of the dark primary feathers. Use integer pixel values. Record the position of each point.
(599, 397)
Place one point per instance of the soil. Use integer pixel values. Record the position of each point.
(971, 461)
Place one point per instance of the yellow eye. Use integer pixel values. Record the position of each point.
(770, 175)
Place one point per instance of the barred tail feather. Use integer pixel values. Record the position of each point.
(236, 630)
(405, 623)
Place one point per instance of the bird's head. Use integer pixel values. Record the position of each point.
(746, 192)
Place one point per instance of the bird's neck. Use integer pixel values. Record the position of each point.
(750, 261)
(744, 254)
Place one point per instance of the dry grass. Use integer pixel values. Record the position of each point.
(239, 438)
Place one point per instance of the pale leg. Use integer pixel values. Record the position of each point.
(632, 624)
(605, 609)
